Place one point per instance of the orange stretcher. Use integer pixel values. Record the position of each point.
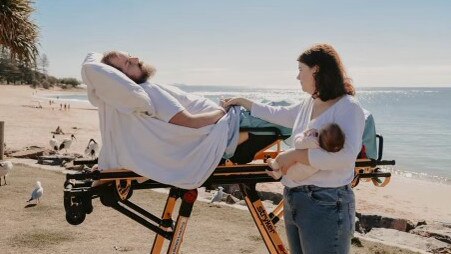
(79, 192)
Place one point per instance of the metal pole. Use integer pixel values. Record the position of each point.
(2, 128)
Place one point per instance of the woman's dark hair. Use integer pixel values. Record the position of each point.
(331, 79)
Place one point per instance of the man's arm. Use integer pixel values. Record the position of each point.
(185, 118)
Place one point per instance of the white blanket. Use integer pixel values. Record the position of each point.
(171, 154)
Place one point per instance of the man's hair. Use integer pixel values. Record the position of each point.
(107, 56)
(331, 138)
(331, 80)
(147, 70)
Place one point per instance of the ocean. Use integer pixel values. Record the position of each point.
(415, 122)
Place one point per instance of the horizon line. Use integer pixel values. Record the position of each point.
(293, 88)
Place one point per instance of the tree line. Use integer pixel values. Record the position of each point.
(35, 74)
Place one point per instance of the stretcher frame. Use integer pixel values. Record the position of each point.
(79, 193)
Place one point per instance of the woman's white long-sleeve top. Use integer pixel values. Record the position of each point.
(335, 169)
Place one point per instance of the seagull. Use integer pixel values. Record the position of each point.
(54, 143)
(5, 168)
(92, 148)
(218, 196)
(37, 193)
(65, 144)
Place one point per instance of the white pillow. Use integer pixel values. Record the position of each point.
(109, 85)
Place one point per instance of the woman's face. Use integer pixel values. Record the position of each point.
(306, 76)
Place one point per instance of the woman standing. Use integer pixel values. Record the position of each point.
(320, 210)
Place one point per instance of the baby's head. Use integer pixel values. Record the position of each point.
(331, 138)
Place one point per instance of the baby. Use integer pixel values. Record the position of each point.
(330, 138)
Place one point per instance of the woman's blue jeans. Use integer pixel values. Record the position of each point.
(319, 220)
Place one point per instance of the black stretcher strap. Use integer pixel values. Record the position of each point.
(374, 163)
(374, 175)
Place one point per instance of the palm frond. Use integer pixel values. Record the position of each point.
(17, 32)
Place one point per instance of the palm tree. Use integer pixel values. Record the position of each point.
(17, 33)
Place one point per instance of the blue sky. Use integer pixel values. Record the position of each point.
(253, 43)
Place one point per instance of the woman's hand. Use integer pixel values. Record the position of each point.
(289, 157)
(227, 103)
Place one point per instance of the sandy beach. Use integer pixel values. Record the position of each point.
(26, 125)
(43, 228)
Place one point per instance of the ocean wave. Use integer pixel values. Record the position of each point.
(66, 97)
(396, 171)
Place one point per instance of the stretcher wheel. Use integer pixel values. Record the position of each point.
(67, 201)
(108, 199)
(75, 216)
(87, 205)
(379, 183)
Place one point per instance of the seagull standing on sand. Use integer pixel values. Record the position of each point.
(218, 196)
(66, 143)
(92, 149)
(37, 193)
(54, 143)
(5, 168)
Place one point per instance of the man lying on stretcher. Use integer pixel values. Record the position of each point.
(158, 131)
